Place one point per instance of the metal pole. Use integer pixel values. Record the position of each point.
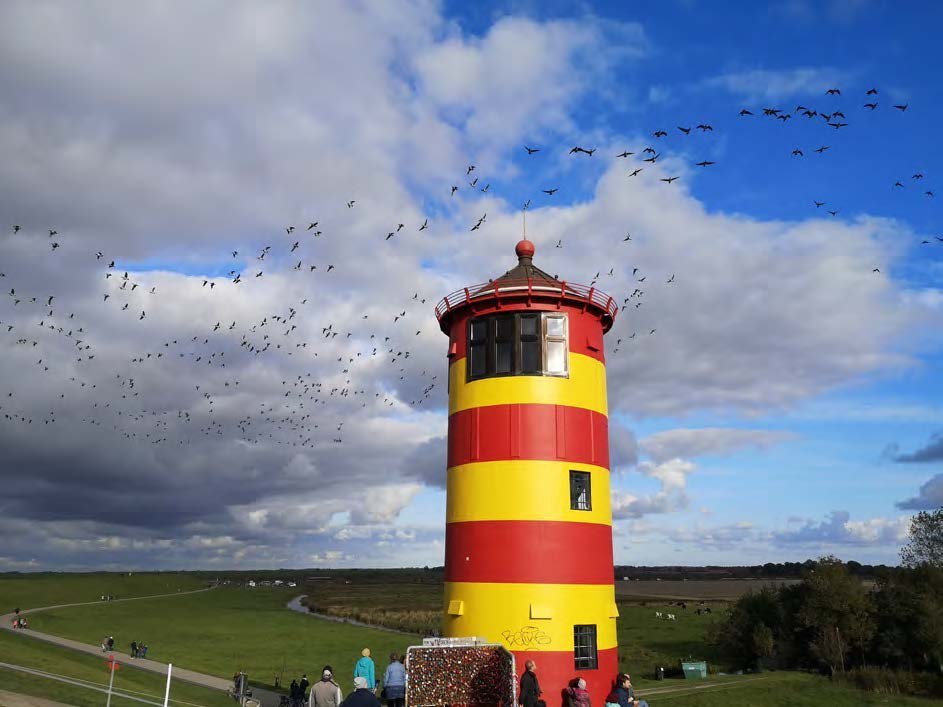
(111, 681)
(170, 667)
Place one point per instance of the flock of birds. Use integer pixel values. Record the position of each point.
(334, 359)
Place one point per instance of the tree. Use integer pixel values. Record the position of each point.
(925, 543)
(747, 635)
(837, 608)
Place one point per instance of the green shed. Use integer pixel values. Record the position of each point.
(696, 670)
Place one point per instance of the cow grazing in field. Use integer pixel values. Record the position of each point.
(658, 614)
(671, 617)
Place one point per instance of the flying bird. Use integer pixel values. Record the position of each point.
(833, 92)
(550, 192)
(744, 111)
(531, 150)
(705, 163)
(668, 180)
(902, 107)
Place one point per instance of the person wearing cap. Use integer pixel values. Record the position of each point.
(362, 696)
(366, 669)
(325, 692)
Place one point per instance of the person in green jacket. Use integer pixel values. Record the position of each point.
(365, 669)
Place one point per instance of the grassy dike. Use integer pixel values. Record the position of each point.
(225, 630)
(20, 650)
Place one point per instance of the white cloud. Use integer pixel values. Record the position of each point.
(672, 495)
(778, 84)
(839, 529)
(669, 444)
(930, 496)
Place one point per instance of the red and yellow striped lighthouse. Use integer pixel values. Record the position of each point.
(528, 549)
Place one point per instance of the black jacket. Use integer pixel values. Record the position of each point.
(530, 689)
(361, 698)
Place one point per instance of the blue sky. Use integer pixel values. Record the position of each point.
(767, 419)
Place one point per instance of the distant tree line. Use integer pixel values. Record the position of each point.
(770, 570)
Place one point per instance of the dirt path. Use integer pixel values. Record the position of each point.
(15, 699)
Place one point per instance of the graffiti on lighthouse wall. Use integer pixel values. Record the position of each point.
(526, 638)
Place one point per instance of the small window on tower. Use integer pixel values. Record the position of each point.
(530, 343)
(580, 493)
(478, 348)
(584, 647)
(555, 345)
(503, 345)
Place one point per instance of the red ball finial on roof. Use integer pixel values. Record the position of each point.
(524, 249)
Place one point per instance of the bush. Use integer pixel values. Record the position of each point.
(893, 682)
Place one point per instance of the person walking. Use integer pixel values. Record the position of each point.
(366, 669)
(362, 696)
(293, 694)
(394, 683)
(530, 686)
(325, 692)
(303, 685)
(134, 649)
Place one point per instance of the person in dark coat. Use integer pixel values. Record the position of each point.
(530, 687)
(362, 696)
(134, 649)
(623, 693)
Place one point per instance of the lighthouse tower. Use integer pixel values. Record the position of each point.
(528, 548)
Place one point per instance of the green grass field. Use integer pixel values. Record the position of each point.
(20, 650)
(646, 642)
(28, 591)
(225, 630)
(232, 628)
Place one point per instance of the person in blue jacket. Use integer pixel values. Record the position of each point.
(365, 669)
(394, 683)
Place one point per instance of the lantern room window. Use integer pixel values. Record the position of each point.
(518, 344)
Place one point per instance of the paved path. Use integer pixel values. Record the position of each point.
(15, 699)
(268, 699)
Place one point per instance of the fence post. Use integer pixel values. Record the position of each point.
(111, 682)
(170, 667)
